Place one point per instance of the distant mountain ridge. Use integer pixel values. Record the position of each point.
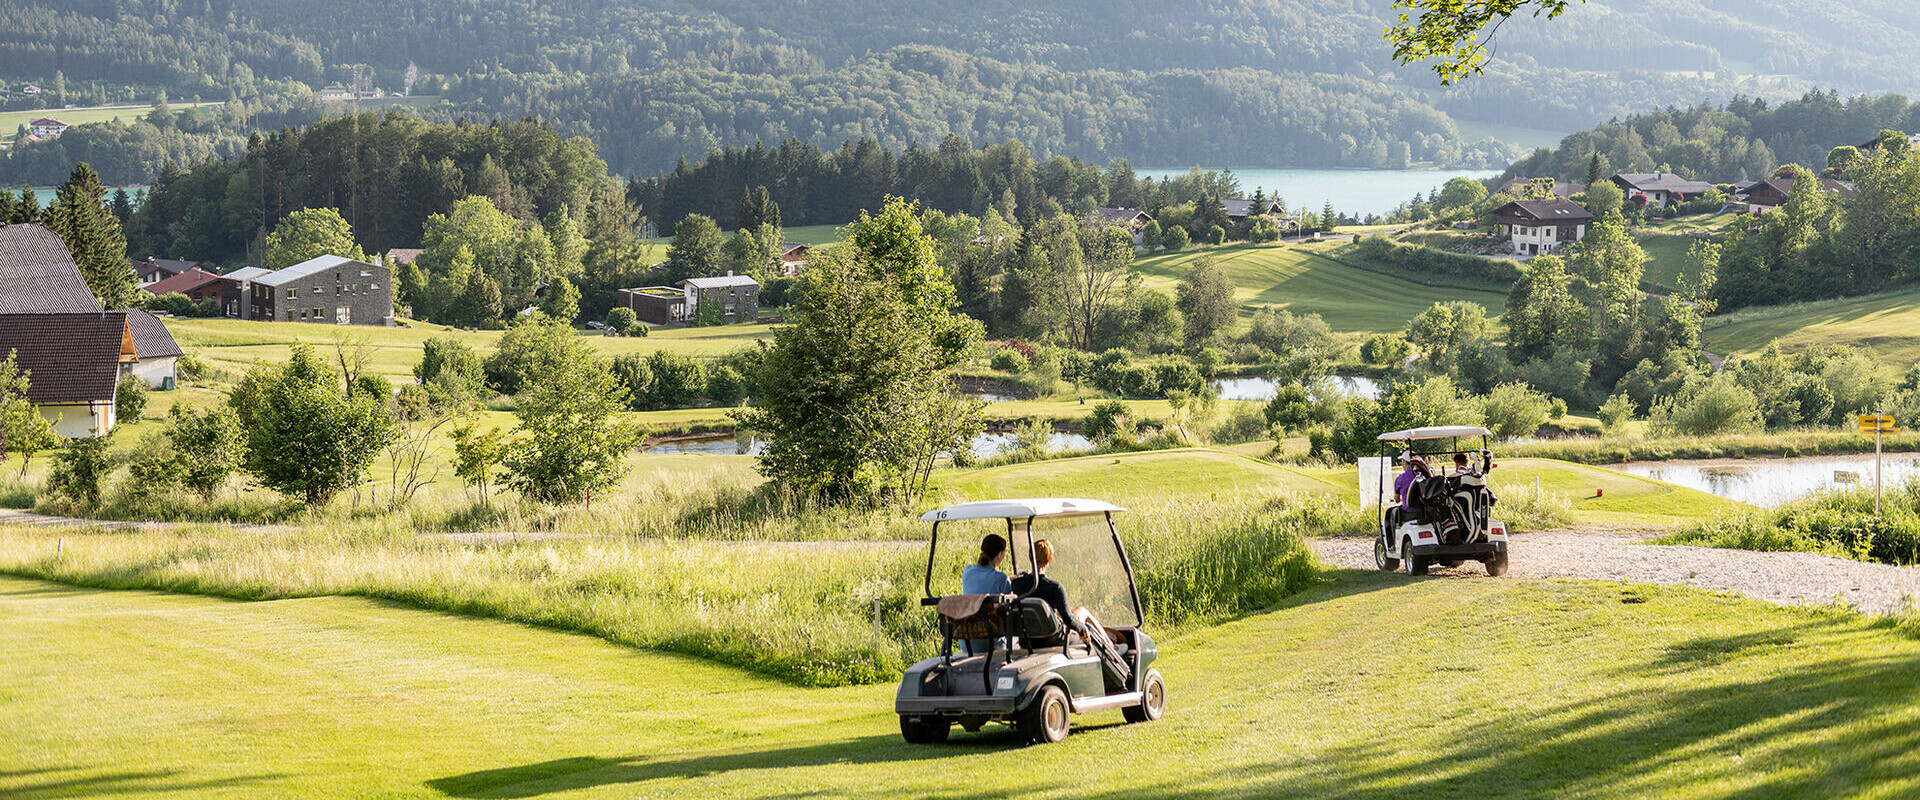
(1247, 82)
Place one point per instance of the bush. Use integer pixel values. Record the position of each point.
(624, 322)
(1175, 239)
(1616, 413)
(1216, 235)
(79, 470)
(1385, 350)
(1716, 405)
(1107, 420)
(636, 374)
(1009, 361)
(130, 397)
(1514, 410)
(1427, 263)
(724, 386)
(677, 380)
(532, 346)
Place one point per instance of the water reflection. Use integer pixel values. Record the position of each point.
(1265, 388)
(1773, 481)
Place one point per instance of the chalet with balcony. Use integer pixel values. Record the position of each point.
(1538, 227)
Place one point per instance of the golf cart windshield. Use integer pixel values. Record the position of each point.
(1088, 559)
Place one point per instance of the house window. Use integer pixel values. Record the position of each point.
(343, 315)
(292, 293)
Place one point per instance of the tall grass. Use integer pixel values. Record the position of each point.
(803, 612)
(1836, 523)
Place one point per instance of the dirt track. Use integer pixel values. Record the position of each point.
(1613, 555)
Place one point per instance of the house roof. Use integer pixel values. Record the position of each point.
(788, 248)
(720, 282)
(37, 274)
(1239, 207)
(305, 268)
(1661, 182)
(48, 121)
(1120, 216)
(171, 266)
(184, 282)
(246, 274)
(404, 255)
(1555, 210)
(1512, 188)
(1785, 187)
(151, 339)
(72, 357)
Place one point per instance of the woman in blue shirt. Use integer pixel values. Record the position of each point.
(985, 577)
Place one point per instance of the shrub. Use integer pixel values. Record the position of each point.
(623, 321)
(633, 372)
(1717, 405)
(1175, 239)
(1385, 350)
(130, 397)
(724, 386)
(1216, 235)
(1009, 361)
(1427, 263)
(1514, 409)
(1616, 413)
(677, 380)
(79, 470)
(450, 369)
(1109, 418)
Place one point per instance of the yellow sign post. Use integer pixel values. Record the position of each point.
(1879, 425)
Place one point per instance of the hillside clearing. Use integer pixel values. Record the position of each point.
(1887, 323)
(1350, 299)
(1525, 689)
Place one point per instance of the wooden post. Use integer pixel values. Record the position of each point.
(1879, 425)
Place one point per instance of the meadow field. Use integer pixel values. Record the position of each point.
(1887, 324)
(12, 120)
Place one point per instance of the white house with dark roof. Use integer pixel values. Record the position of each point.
(737, 295)
(47, 128)
(1660, 188)
(1538, 227)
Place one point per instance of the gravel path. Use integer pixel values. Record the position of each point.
(1615, 555)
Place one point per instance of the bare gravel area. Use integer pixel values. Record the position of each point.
(1616, 555)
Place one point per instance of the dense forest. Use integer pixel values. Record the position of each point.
(1746, 139)
(1270, 83)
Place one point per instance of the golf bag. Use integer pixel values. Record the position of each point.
(1449, 508)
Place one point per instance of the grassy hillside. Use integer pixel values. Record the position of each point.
(1889, 323)
(12, 120)
(1351, 299)
(1509, 688)
(1176, 475)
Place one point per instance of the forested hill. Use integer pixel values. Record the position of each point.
(1247, 82)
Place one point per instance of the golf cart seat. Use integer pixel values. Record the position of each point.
(972, 616)
(1037, 625)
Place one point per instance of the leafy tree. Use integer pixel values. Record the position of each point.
(22, 429)
(1150, 235)
(634, 372)
(1714, 406)
(79, 215)
(562, 302)
(1460, 194)
(1206, 301)
(1541, 311)
(450, 370)
(1611, 259)
(1385, 350)
(1514, 409)
(1603, 198)
(677, 380)
(623, 321)
(130, 398)
(476, 455)
(696, 250)
(1445, 326)
(532, 345)
(569, 246)
(856, 392)
(1453, 33)
(308, 233)
(307, 435)
(570, 440)
(1616, 413)
(80, 469)
(208, 446)
(1093, 279)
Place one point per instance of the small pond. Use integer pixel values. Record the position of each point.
(1265, 388)
(986, 445)
(1772, 481)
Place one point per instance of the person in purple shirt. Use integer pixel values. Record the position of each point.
(1414, 469)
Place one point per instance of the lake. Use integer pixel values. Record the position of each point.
(1265, 388)
(45, 196)
(1770, 482)
(1353, 191)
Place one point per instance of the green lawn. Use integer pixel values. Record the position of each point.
(11, 121)
(1154, 477)
(1608, 497)
(1350, 299)
(238, 344)
(1373, 686)
(1888, 323)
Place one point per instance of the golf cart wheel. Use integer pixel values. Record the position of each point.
(1153, 700)
(1416, 564)
(1045, 721)
(1385, 562)
(1497, 565)
(923, 730)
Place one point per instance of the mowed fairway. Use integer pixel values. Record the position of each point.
(1178, 475)
(1374, 686)
(1887, 323)
(239, 344)
(1349, 298)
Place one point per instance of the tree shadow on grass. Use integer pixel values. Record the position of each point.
(51, 782)
(582, 772)
(1842, 727)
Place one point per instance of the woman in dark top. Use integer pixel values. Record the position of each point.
(1047, 589)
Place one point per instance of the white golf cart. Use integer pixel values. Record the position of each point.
(1011, 658)
(1451, 522)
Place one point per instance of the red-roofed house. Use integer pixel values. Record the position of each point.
(47, 127)
(196, 283)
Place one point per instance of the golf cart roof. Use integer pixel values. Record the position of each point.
(1436, 432)
(1020, 508)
